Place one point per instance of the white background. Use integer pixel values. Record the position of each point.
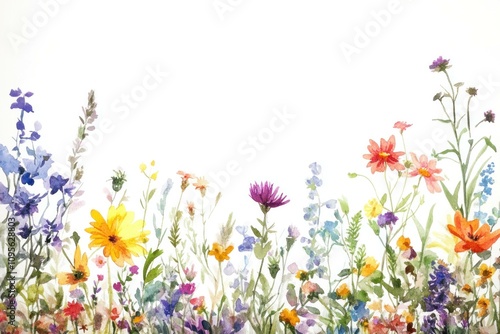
(231, 65)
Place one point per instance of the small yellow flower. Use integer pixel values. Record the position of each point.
(373, 208)
(154, 176)
(467, 288)
(483, 304)
(486, 272)
(369, 267)
(343, 291)
(404, 243)
(142, 167)
(289, 317)
(408, 316)
(302, 275)
(219, 252)
(138, 318)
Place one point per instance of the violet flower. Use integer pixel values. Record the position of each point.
(267, 196)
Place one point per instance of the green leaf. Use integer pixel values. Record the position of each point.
(383, 199)
(376, 277)
(149, 260)
(403, 202)
(344, 272)
(151, 194)
(313, 310)
(374, 226)
(256, 232)
(362, 295)
(442, 120)
(44, 278)
(452, 198)
(261, 251)
(153, 273)
(490, 144)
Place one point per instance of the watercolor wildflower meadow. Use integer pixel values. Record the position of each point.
(158, 269)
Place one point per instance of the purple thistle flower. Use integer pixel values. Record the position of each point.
(489, 116)
(439, 64)
(267, 196)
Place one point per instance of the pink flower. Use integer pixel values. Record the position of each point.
(427, 169)
(190, 273)
(99, 261)
(402, 126)
(100, 278)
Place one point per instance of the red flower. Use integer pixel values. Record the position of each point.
(73, 310)
(473, 237)
(382, 156)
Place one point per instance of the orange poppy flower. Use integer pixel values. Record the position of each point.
(473, 237)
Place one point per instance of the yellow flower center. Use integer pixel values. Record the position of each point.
(383, 155)
(424, 172)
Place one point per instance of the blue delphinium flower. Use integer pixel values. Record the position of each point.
(485, 192)
(440, 281)
(5, 197)
(21, 100)
(57, 183)
(169, 306)
(24, 204)
(8, 163)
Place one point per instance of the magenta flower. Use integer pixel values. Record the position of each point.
(117, 286)
(267, 196)
(134, 270)
(187, 288)
(440, 64)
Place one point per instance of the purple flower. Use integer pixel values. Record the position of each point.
(134, 270)
(315, 168)
(21, 100)
(187, 288)
(23, 205)
(387, 219)
(57, 183)
(489, 116)
(7, 162)
(169, 306)
(247, 244)
(267, 196)
(117, 286)
(293, 232)
(25, 231)
(439, 64)
(5, 197)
